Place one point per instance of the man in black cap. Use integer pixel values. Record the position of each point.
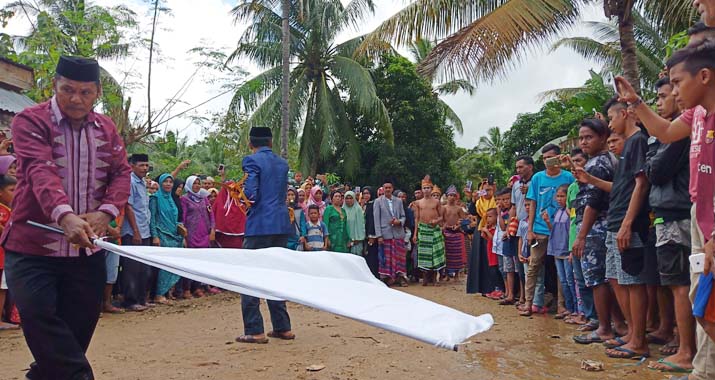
(72, 173)
(267, 225)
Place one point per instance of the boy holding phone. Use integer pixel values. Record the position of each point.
(541, 197)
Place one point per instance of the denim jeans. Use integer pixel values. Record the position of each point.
(539, 288)
(250, 306)
(584, 294)
(565, 272)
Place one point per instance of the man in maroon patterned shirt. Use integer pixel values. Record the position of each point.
(72, 173)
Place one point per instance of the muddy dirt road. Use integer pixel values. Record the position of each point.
(195, 340)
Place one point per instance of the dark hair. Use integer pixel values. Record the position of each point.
(504, 191)
(696, 57)
(493, 209)
(699, 27)
(6, 180)
(550, 148)
(259, 142)
(664, 81)
(613, 102)
(314, 207)
(332, 194)
(598, 126)
(578, 152)
(388, 180)
(527, 160)
(564, 188)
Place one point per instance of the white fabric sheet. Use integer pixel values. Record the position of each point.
(338, 283)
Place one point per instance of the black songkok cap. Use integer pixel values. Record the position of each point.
(78, 68)
(139, 157)
(261, 132)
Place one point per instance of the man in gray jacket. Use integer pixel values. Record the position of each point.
(389, 214)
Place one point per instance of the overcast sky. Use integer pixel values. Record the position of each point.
(208, 23)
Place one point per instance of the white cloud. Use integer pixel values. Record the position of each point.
(208, 23)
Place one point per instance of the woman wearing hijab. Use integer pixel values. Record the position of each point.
(8, 165)
(316, 198)
(198, 219)
(356, 224)
(176, 192)
(372, 247)
(164, 226)
(297, 219)
(334, 219)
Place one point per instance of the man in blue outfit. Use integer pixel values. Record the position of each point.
(267, 225)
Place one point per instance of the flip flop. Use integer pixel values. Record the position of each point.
(669, 349)
(282, 335)
(589, 326)
(651, 339)
(629, 354)
(589, 338)
(251, 339)
(507, 302)
(619, 342)
(8, 326)
(671, 367)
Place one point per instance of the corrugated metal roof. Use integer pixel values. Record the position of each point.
(13, 102)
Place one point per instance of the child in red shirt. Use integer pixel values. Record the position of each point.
(488, 234)
(7, 189)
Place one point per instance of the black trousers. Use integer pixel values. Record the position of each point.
(59, 300)
(252, 318)
(372, 259)
(135, 277)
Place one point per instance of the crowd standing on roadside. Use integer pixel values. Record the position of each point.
(614, 237)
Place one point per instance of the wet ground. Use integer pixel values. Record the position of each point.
(195, 340)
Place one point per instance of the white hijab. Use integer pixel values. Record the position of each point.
(203, 193)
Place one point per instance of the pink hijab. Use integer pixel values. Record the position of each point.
(5, 163)
(313, 201)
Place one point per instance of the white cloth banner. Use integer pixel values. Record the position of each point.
(338, 283)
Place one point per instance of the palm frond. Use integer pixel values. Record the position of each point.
(559, 93)
(248, 96)
(455, 86)
(452, 117)
(608, 54)
(487, 47)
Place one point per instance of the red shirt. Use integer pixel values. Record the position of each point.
(491, 256)
(4, 218)
(702, 163)
(62, 170)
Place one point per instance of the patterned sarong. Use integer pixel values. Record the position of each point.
(454, 248)
(393, 258)
(430, 247)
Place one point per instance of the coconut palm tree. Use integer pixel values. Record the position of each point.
(324, 76)
(482, 39)
(605, 47)
(492, 143)
(420, 49)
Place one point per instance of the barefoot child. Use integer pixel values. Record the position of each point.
(453, 236)
(428, 234)
(488, 232)
(7, 189)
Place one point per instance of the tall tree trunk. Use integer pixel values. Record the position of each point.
(285, 82)
(151, 54)
(629, 58)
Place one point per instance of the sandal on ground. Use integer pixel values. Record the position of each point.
(136, 308)
(666, 366)
(589, 326)
(624, 353)
(669, 349)
(162, 300)
(507, 302)
(251, 339)
(589, 338)
(113, 310)
(615, 342)
(525, 313)
(652, 339)
(562, 315)
(285, 335)
(8, 326)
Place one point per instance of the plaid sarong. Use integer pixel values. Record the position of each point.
(430, 247)
(455, 251)
(393, 257)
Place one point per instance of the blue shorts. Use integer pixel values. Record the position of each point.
(614, 270)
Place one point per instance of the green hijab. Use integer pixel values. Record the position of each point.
(355, 218)
(168, 216)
